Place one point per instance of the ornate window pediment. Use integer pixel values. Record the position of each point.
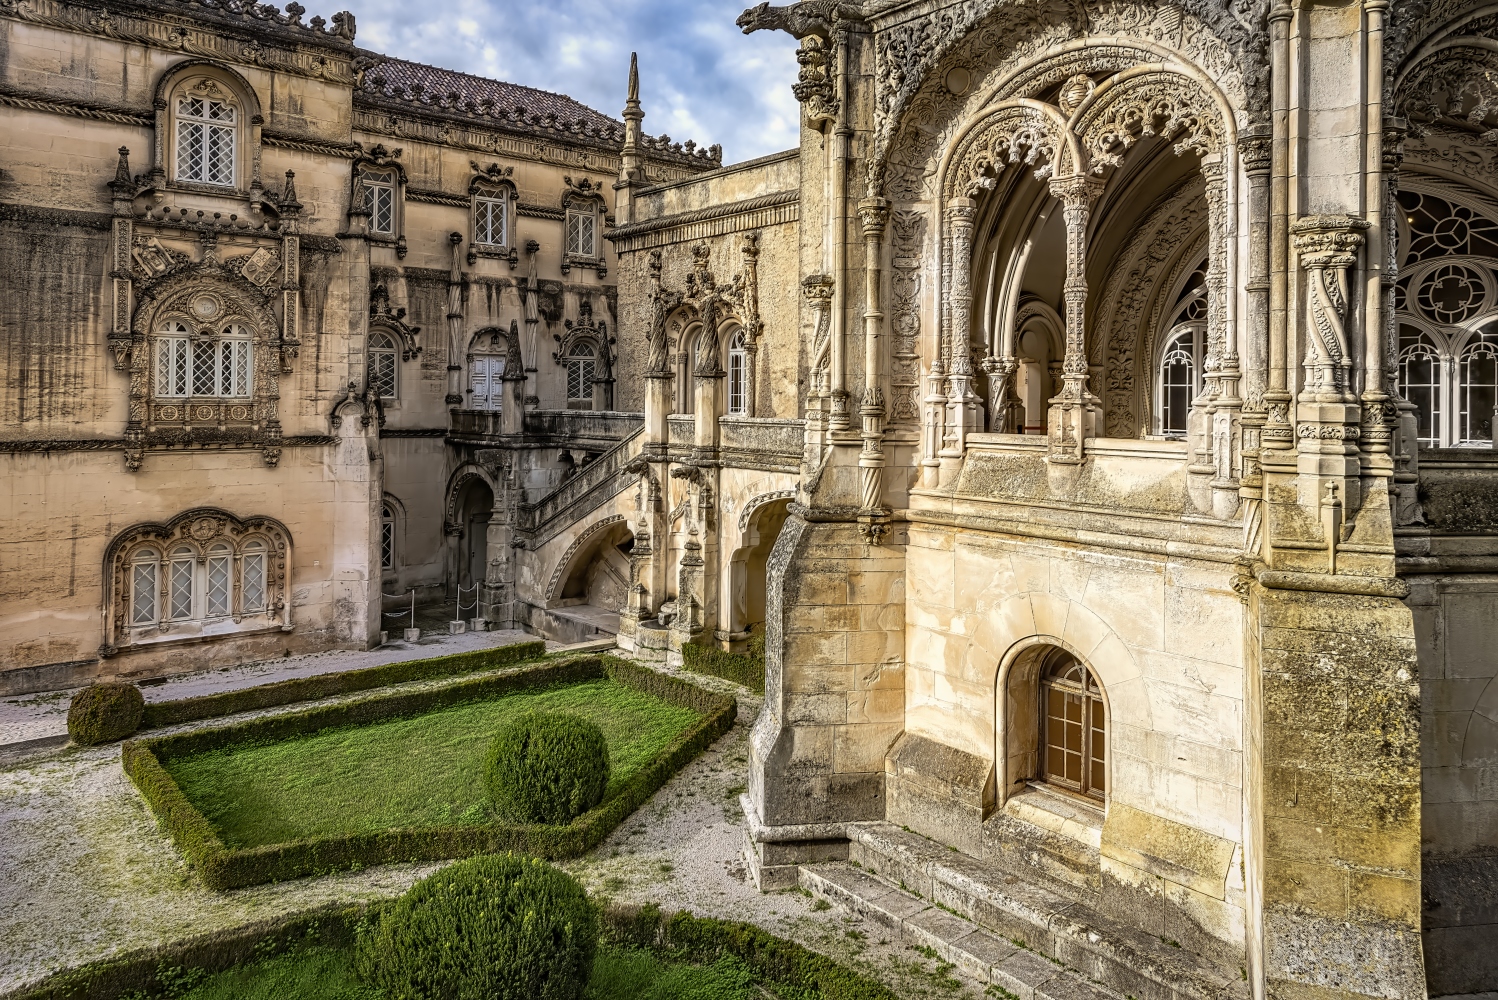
(378, 195)
(204, 574)
(494, 198)
(584, 213)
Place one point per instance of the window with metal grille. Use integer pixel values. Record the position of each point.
(1180, 378)
(193, 366)
(219, 592)
(581, 364)
(252, 578)
(489, 220)
(145, 586)
(180, 584)
(1074, 724)
(582, 233)
(387, 538)
(379, 199)
(738, 374)
(205, 141)
(382, 368)
(1479, 387)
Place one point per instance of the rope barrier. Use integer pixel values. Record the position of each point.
(401, 614)
(458, 610)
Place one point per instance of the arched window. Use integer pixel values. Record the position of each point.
(387, 537)
(1446, 297)
(1073, 726)
(252, 578)
(1478, 377)
(207, 135)
(1420, 382)
(1180, 378)
(207, 363)
(382, 368)
(582, 362)
(219, 590)
(180, 580)
(738, 374)
(145, 586)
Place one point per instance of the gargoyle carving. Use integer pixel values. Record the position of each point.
(810, 17)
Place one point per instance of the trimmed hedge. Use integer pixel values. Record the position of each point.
(500, 927)
(547, 767)
(223, 868)
(211, 706)
(792, 970)
(747, 668)
(103, 713)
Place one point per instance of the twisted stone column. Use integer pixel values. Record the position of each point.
(1328, 247)
(873, 216)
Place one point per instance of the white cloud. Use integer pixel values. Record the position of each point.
(700, 77)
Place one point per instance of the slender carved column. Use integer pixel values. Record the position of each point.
(1255, 148)
(1278, 432)
(291, 283)
(753, 326)
(963, 405)
(658, 374)
(1073, 416)
(873, 215)
(818, 291)
(455, 322)
(122, 190)
(1328, 248)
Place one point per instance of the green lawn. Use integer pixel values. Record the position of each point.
(420, 771)
(322, 973)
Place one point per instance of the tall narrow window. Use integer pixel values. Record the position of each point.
(379, 198)
(218, 592)
(205, 140)
(582, 232)
(738, 374)
(489, 220)
(1420, 383)
(387, 537)
(145, 587)
(253, 578)
(180, 576)
(382, 369)
(1180, 379)
(173, 369)
(1479, 388)
(581, 365)
(1075, 726)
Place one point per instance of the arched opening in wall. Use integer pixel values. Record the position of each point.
(474, 508)
(746, 605)
(1053, 725)
(594, 580)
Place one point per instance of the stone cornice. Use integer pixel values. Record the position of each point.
(455, 132)
(208, 30)
(35, 216)
(281, 140)
(719, 220)
(427, 197)
(118, 114)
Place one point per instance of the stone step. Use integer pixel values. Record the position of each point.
(984, 956)
(1047, 920)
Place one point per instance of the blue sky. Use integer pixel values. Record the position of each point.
(700, 77)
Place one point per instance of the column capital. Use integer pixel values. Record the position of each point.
(1078, 190)
(1329, 240)
(961, 210)
(873, 216)
(1256, 148)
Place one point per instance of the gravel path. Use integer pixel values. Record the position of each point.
(88, 874)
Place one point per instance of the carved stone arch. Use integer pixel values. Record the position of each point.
(460, 478)
(177, 72)
(1023, 132)
(1152, 100)
(489, 340)
(1034, 313)
(754, 503)
(200, 528)
(1130, 289)
(392, 321)
(979, 42)
(589, 534)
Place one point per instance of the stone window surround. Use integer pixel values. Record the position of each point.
(201, 529)
(247, 145)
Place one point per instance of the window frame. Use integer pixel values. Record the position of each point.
(178, 354)
(387, 538)
(209, 126)
(1089, 693)
(1197, 332)
(738, 374)
(575, 363)
(386, 180)
(500, 198)
(590, 213)
(389, 351)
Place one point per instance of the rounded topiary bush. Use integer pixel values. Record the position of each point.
(547, 767)
(103, 713)
(500, 927)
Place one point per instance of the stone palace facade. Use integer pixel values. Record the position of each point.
(1096, 410)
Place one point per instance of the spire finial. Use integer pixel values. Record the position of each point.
(634, 78)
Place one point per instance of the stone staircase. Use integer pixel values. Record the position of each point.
(1030, 939)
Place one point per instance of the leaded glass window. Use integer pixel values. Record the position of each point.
(379, 199)
(205, 140)
(582, 232)
(220, 573)
(382, 369)
(180, 582)
(387, 538)
(253, 578)
(145, 584)
(581, 365)
(489, 220)
(193, 366)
